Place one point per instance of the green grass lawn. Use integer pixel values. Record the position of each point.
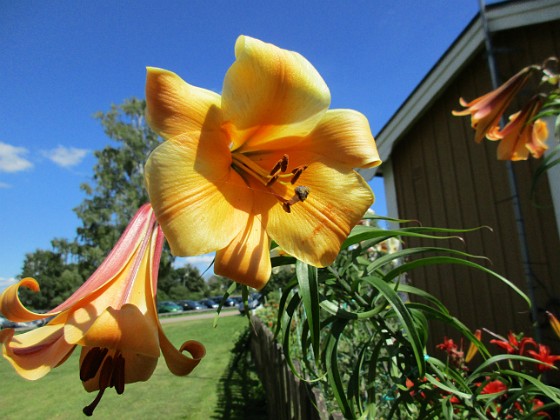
(60, 394)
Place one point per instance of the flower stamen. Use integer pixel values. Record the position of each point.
(297, 173)
(280, 166)
(111, 371)
(92, 363)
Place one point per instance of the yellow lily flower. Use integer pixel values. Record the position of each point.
(265, 160)
(112, 316)
(487, 110)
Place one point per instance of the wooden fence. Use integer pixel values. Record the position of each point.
(288, 397)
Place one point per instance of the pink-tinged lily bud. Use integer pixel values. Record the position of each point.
(473, 348)
(554, 323)
(266, 160)
(524, 135)
(487, 110)
(112, 317)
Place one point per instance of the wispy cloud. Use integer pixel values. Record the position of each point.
(5, 282)
(66, 156)
(12, 158)
(3, 185)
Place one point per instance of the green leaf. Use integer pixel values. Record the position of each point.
(309, 292)
(404, 316)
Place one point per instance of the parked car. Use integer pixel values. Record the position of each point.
(6, 323)
(190, 305)
(168, 307)
(228, 303)
(209, 303)
(254, 301)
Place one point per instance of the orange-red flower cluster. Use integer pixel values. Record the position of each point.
(524, 134)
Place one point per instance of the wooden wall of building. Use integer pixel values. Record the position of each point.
(443, 178)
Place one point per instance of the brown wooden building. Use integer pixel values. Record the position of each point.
(434, 172)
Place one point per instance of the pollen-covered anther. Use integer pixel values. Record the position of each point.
(297, 173)
(280, 166)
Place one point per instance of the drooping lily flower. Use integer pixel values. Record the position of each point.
(487, 110)
(265, 160)
(523, 135)
(112, 317)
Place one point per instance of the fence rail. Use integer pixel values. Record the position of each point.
(288, 398)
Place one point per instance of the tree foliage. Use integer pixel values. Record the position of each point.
(114, 194)
(117, 190)
(57, 275)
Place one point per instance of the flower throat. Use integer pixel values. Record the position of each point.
(270, 180)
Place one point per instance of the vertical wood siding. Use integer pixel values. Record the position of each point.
(443, 178)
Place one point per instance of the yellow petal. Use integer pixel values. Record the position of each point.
(33, 354)
(270, 93)
(178, 363)
(200, 202)
(174, 107)
(315, 229)
(126, 329)
(11, 306)
(246, 259)
(343, 137)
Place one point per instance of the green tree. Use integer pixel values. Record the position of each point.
(183, 283)
(117, 190)
(57, 275)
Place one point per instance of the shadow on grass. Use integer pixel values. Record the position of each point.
(240, 392)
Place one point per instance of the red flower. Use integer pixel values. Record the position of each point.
(448, 345)
(513, 345)
(544, 356)
(494, 387)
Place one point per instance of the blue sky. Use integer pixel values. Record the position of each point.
(64, 60)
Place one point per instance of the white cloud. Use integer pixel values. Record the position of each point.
(3, 185)
(198, 259)
(11, 158)
(66, 156)
(202, 262)
(5, 282)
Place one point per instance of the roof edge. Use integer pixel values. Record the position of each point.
(501, 16)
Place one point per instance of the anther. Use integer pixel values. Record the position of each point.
(104, 382)
(281, 165)
(284, 163)
(117, 378)
(286, 207)
(272, 180)
(297, 172)
(91, 363)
